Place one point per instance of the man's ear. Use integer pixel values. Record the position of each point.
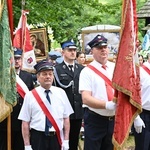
(62, 52)
(91, 51)
(37, 75)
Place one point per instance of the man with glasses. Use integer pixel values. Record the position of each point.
(16, 135)
(67, 77)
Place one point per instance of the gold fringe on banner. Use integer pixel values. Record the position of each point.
(5, 109)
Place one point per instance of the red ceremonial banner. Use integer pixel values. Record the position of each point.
(10, 17)
(22, 41)
(126, 79)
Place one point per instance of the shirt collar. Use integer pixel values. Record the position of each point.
(43, 90)
(17, 71)
(99, 65)
(68, 63)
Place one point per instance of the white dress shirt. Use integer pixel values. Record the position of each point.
(145, 89)
(90, 81)
(147, 64)
(31, 111)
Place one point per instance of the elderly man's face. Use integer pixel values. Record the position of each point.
(45, 78)
(100, 54)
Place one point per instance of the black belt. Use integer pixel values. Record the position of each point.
(103, 117)
(146, 111)
(51, 133)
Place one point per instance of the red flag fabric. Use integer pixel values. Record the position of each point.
(126, 78)
(22, 41)
(10, 16)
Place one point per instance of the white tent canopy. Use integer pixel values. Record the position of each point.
(98, 28)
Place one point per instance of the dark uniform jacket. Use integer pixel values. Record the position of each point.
(65, 76)
(15, 123)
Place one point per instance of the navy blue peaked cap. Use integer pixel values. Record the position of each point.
(43, 65)
(98, 41)
(17, 52)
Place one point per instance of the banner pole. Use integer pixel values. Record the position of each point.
(122, 18)
(23, 4)
(9, 132)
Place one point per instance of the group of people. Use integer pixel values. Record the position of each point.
(50, 116)
(55, 57)
(57, 125)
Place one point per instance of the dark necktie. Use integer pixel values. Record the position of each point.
(71, 68)
(109, 89)
(48, 123)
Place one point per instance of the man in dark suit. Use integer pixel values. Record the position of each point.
(67, 77)
(16, 135)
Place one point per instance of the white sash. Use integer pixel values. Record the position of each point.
(22, 89)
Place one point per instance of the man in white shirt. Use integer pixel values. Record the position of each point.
(142, 121)
(147, 63)
(39, 130)
(97, 98)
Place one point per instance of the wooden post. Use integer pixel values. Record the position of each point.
(9, 132)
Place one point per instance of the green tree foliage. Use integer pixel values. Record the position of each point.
(68, 17)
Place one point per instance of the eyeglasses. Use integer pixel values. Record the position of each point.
(17, 58)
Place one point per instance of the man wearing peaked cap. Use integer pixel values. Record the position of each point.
(97, 95)
(41, 132)
(67, 77)
(41, 66)
(16, 134)
(99, 40)
(18, 59)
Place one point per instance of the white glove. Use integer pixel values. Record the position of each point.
(65, 145)
(110, 105)
(28, 147)
(138, 124)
